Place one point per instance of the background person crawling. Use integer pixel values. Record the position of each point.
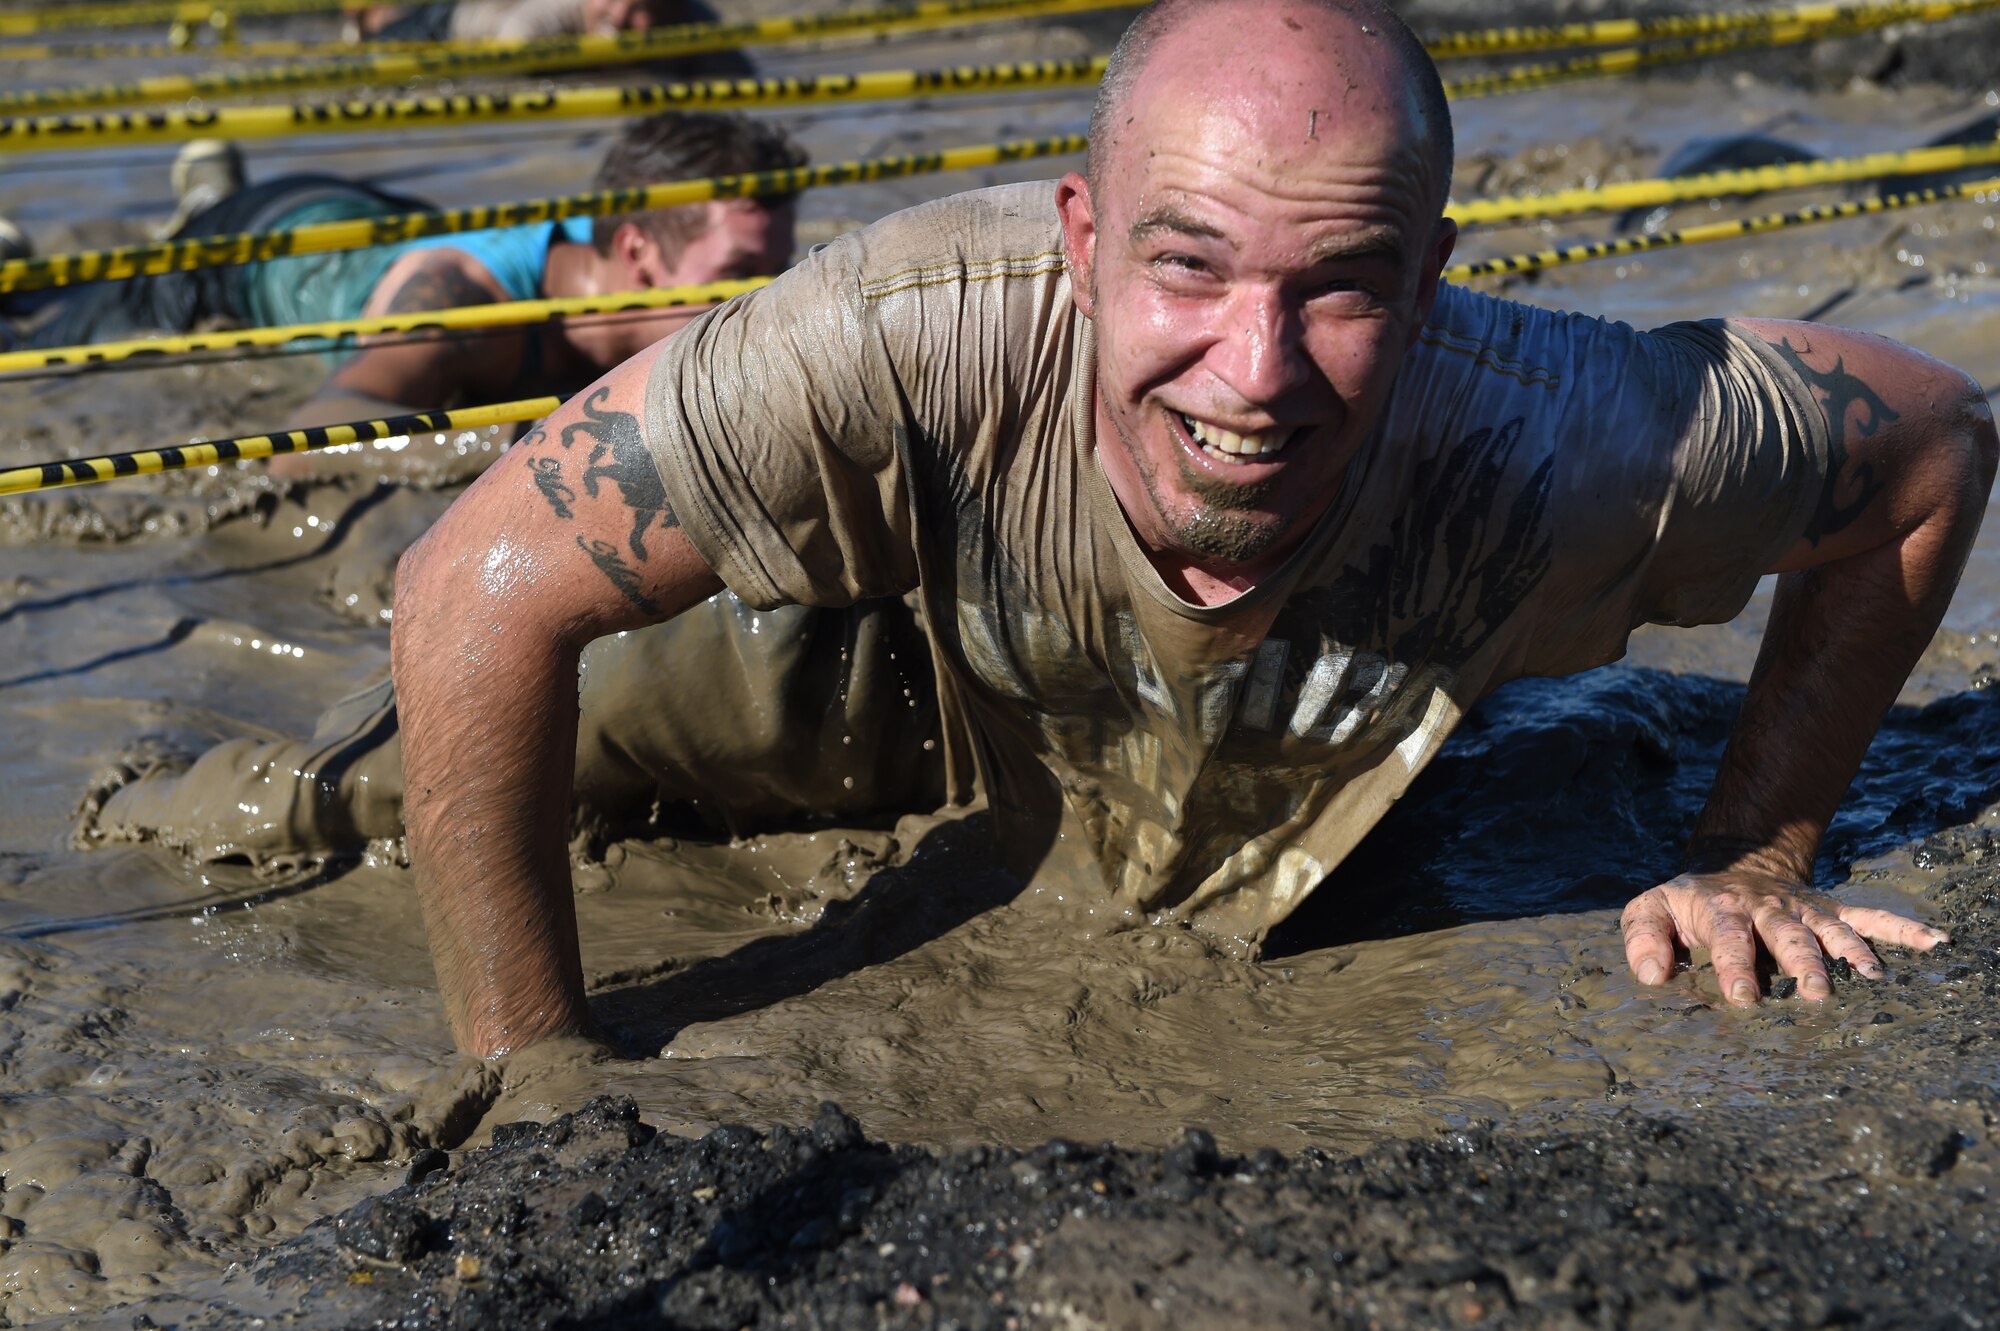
(706, 242)
(1217, 510)
(526, 21)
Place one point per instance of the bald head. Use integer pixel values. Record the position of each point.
(1258, 244)
(1322, 54)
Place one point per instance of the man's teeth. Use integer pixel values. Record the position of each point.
(1231, 446)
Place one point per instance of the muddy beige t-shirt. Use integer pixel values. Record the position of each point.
(537, 20)
(911, 407)
(515, 20)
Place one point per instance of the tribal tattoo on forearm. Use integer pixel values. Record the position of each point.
(1839, 391)
(617, 454)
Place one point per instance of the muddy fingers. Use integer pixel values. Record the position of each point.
(1839, 939)
(1793, 946)
(1649, 931)
(1735, 914)
(1732, 946)
(1888, 927)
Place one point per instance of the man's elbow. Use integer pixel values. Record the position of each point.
(1977, 425)
(1961, 451)
(421, 574)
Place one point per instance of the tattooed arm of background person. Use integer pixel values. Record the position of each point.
(566, 538)
(1911, 459)
(393, 377)
(390, 376)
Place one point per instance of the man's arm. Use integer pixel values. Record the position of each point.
(1911, 452)
(398, 374)
(566, 538)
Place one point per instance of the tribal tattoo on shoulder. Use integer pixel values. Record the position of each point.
(437, 286)
(1840, 392)
(617, 455)
(441, 285)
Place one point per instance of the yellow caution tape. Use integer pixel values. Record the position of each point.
(1486, 41)
(88, 471)
(20, 23)
(165, 350)
(359, 233)
(125, 261)
(29, 133)
(41, 52)
(83, 471)
(1631, 60)
(113, 8)
(67, 130)
(1613, 32)
(500, 314)
(1709, 231)
(541, 56)
(1712, 184)
(167, 256)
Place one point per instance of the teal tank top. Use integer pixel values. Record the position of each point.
(309, 288)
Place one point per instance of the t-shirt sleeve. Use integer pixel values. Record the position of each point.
(1749, 459)
(778, 423)
(539, 20)
(515, 20)
(1687, 461)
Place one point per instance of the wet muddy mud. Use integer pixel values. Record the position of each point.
(227, 1092)
(1824, 1202)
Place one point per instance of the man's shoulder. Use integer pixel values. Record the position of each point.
(436, 277)
(961, 241)
(1512, 344)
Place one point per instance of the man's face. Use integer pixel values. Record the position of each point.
(742, 238)
(1257, 261)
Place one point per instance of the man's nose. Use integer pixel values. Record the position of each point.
(1260, 351)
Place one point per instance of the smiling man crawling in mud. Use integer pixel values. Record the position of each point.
(1211, 508)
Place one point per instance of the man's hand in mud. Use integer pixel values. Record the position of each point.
(1732, 913)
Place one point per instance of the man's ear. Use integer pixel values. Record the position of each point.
(1079, 230)
(639, 255)
(1443, 240)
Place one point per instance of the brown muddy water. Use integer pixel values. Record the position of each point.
(196, 1062)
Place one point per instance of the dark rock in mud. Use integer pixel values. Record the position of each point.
(1737, 1219)
(426, 1162)
(386, 1229)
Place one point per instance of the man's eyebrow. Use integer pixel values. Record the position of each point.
(1372, 246)
(1168, 219)
(1383, 245)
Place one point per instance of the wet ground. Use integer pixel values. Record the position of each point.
(1782, 1167)
(1481, 1117)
